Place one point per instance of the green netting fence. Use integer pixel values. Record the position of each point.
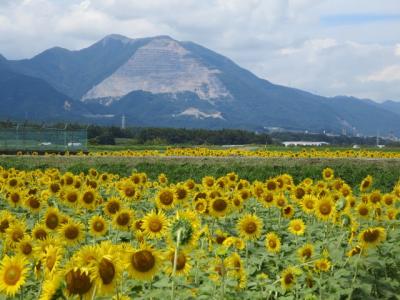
(21, 138)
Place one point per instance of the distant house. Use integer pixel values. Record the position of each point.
(304, 143)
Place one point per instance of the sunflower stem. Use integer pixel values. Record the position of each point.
(178, 241)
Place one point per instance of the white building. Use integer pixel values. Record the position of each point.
(304, 143)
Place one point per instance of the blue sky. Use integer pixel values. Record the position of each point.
(329, 47)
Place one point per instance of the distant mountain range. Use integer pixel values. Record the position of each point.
(159, 81)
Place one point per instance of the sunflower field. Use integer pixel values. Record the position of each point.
(104, 236)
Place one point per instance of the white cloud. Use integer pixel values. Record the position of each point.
(388, 74)
(280, 40)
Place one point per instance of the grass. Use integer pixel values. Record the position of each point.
(386, 172)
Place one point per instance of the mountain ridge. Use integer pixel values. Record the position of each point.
(164, 82)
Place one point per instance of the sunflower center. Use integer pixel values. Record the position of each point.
(181, 194)
(166, 198)
(371, 236)
(220, 205)
(271, 186)
(250, 227)
(325, 209)
(123, 219)
(15, 198)
(13, 182)
(288, 278)
(113, 207)
(268, 198)
(363, 211)
(12, 275)
(88, 197)
(220, 239)
(4, 225)
(52, 221)
(98, 226)
(300, 193)
(180, 261)
(155, 225)
(26, 248)
(40, 234)
(71, 232)
(143, 261)
(78, 283)
(272, 243)
(297, 227)
(69, 180)
(72, 197)
(17, 235)
(54, 187)
(310, 204)
(106, 270)
(200, 206)
(306, 253)
(34, 203)
(129, 191)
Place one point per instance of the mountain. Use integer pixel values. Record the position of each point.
(392, 106)
(27, 98)
(160, 81)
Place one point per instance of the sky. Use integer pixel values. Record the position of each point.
(328, 47)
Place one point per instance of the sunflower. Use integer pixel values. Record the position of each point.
(129, 191)
(98, 226)
(249, 227)
(51, 287)
(234, 265)
(280, 201)
(200, 206)
(372, 237)
(267, 199)
(237, 203)
(288, 277)
(6, 219)
(143, 263)
(12, 274)
(50, 257)
(155, 225)
(308, 203)
(39, 231)
(366, 183)
(25, 247)
(106, 269)
(297, 226)
(34, 204)
(375, 198)
(273, 243)
(325, 208)
(71, 197)
(88, 198)
(162, 179)
(186, 226)
(72, 232)
(52, 218)
(354, 251)
(208, 181)
(15, 233)
(112, 206)
(78, 282)
(322, 265)
(219, 207)
(298, 193)
(388, 199)
(183, 265)
(15, 198)
(271, 185)
(305, 252)
(288, 211)
(123, 219)
(165, 198)
(363, 210)
(237, 242)
(328, 174)
(181, 192)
